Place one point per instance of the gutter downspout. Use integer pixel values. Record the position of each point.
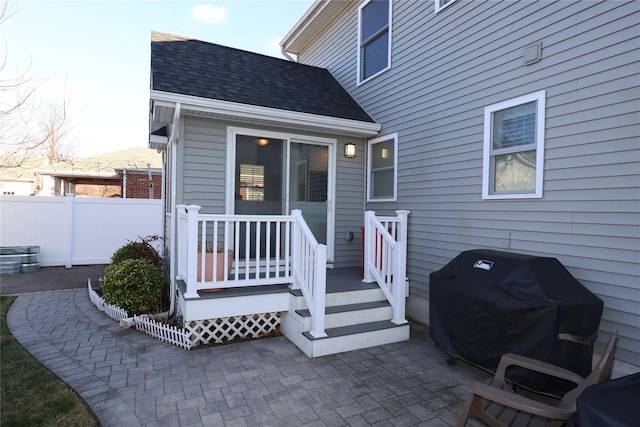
(172, 233)
(286, 54)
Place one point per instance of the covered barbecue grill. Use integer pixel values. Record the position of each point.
(485, 303)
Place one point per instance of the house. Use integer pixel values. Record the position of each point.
(17, 177)
(254, 151)
(498, 125)
(133, 173)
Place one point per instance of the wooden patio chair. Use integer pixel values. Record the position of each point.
(495, 404)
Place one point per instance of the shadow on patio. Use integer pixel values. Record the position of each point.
(128, 377)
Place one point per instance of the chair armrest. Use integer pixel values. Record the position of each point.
(511, 359)
(521, 403)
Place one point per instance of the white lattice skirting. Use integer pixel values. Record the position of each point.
(198, 332)
(230, 328)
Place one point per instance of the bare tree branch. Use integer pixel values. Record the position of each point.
(27, 129)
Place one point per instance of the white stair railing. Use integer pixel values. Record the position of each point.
(385, 258)
(310, 272)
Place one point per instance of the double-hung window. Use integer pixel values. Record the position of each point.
(441, 4)
(382, 167)
(374, 38)
(513, 160)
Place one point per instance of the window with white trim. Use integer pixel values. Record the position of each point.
(252, 182)
(513, 157)
(441, 4)
(374, 38)
(382, 167)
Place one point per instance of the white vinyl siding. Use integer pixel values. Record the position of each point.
(382, 168)
(513, 155)
(374, 38)
(447, 67)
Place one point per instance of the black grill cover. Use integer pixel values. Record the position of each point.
(485, 303)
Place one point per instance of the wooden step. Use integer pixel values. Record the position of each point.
(372, 294)
(350, 314)
(354, 337)
(342, 331)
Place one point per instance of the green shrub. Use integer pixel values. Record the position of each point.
(135, 285)
(138, 250)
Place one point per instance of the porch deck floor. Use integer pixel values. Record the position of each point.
(131, 379)
(338, 280)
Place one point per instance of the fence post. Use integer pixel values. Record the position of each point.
(69, 197)
(192, 251)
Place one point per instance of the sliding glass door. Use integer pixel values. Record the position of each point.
(275, 174)
(308, 185)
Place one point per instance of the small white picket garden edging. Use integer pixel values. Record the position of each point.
(114, 312)
(145, 323)
(167, 333)
(196, 332)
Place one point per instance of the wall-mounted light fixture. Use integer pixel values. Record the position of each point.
(262, 141)
(350, 150)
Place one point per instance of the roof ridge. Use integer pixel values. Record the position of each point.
(157, 36)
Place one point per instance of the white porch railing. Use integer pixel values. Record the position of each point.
(256, 250)
(251, 250)
(385, 258)
(310, 272)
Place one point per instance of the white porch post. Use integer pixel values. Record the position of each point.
(369, 245)
(400, 270)
(295, 249)
(319, 292)
(192, 251)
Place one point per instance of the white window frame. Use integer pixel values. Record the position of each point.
(360, 79)
(370, 144)
(442, 4)
(489, 153)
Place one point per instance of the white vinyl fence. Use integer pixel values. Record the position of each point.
(76, 230)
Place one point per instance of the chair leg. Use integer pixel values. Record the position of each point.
(464, 414)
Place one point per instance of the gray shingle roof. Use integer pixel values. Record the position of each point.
(193, 67)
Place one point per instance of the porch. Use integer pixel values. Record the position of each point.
(270, 271)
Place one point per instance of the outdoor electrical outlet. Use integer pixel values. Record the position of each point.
(349, 236)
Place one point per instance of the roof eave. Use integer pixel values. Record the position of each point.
(158, 142)
(75, 174)
(319, 15)
(284, 117)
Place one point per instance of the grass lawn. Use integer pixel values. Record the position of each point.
(30, 394)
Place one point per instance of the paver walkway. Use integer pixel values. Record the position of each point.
(130, 379)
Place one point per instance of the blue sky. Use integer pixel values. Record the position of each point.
(100, 50)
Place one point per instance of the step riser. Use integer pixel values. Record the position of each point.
(356, 317)
(357, 341)
(327, 346)
(343, 298)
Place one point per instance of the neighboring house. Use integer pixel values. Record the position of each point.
(134, 173)
(500, 125)
(17, 177)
